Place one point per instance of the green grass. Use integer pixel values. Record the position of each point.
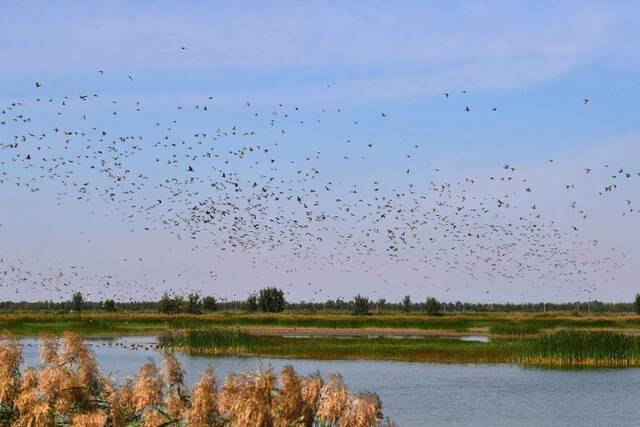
(215, 341)
(499, 324)
(555, 339)
(451, 350)
(515, 329)
(580, 348)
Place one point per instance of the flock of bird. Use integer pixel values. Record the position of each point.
(239, 188)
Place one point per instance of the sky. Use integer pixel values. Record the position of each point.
(535, 62)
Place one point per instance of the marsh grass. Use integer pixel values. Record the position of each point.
(582, 348)
(210, 341)
(221, 341)
(140, 323)
(515, 329)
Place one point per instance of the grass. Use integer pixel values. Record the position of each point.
(95, 323)
(224, 341)
(553, 339)
(515, 329)
(213, 341)
(579, 348)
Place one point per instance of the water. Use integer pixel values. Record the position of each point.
(420, 394)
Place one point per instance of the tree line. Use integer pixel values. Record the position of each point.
(272, 300)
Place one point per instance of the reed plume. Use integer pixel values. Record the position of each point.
(204, 402)
(67, 389)
(147, 390)
(288, 402)
(246, 399)
(334, 399)
(10, 360)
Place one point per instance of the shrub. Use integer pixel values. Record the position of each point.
(169, 305)
(360, 305)
(271, 300)
(406, 304)
(77, 302)
(109, 305)
(432, 306)
(252, 303)
(193, 304)
(209, 303)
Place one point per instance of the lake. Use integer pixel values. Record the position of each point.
(420, 394)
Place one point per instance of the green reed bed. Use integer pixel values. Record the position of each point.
(446, 350)
(580, 348)
(515, 329)
(210, 341)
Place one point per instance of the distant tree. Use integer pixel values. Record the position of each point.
(432, 306)
(637, 303)
(77, 302)
(209, 303)
(271, 300)
(169, 305)
(193, 304)
(380, 304)
(109, 305)
(252, 303)
(406, 304)
(360, 305)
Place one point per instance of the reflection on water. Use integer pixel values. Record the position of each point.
(419, 394)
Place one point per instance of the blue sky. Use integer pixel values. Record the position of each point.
(533, 61)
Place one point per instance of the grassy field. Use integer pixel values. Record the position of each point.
(502, 324)
(553, 339)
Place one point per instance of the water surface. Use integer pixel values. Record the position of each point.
(426, 394)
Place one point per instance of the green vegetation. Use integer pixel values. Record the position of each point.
(342, 306)
(579, 348)
(216, 341)
(192, 304)
(252, 303)
(109, 305)
(209, 303)
(542, 338)
(505, 324)
(432, 306)
(77, 302)
(515, 329)
(221, 341)
(360, 306)
(406, 304)
(637, 304)
(271, 300)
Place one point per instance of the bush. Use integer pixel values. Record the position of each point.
(193, 304)
(109, 305)
(406, 304)
(252, 303)
(170, 305)
(360, 306)
(271, 300)
(77, 302)
(209, 303)
(432, 306)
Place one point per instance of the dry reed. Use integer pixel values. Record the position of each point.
(67, 389)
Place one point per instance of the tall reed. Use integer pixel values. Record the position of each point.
(67, 389)
(579, 348)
